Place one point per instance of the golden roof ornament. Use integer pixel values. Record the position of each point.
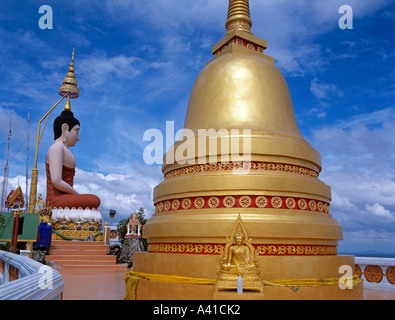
(69, 85)
(67, 106)
(239, 16)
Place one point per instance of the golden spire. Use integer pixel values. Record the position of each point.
(70, 83)
(238, 16)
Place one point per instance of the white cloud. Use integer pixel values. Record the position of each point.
(323, 91)
(341, 201)
(379, 210)
(122, 192)
(376, 242)
(18, 138)
(358, 164)
(290, 28)
(169, 14)
(97, 69)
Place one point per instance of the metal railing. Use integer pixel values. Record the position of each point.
(22, 278)
(377, 273)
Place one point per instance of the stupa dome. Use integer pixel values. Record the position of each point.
(244, 91)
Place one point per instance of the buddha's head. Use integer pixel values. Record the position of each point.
(67, 127)
(238, 238)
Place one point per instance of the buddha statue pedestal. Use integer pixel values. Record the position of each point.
(67, 224)
(76, 224)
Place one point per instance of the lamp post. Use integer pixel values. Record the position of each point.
(112, 213)
(68, 89)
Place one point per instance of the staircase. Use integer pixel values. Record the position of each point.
(82, 257)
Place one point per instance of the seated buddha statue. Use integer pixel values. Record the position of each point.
(239, 259)
(60, 166)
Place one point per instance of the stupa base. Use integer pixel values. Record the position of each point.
(275, 269)
(155, 290)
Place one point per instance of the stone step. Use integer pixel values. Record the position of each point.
(73, 262)
(82, 257)
(78, 248)
(77, 252)
(78, 245)
(58, 257)
(76, 242)
(90, 269)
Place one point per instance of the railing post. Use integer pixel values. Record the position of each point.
(106, 231)
(14, 234)
(377, 273)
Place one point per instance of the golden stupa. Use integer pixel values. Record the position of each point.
(274, 193)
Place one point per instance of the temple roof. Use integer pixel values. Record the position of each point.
(13, 196)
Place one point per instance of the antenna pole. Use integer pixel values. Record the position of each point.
(6, 171)
(27, 164)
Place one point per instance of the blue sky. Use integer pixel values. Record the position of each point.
(136, 62)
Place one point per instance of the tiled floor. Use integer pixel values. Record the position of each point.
(110, 286)
(96, 286)
(378, 295)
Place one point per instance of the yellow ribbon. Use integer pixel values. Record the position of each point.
(294, 284)
(132, 278)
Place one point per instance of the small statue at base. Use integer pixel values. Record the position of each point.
(239, 259)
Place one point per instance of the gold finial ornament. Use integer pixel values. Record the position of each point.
(67, 106)
(69, 85)
(239, 16)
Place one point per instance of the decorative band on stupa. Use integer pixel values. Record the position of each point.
(266, 249)
(296, 204)
(240, 166)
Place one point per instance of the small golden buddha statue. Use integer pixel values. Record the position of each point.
(239, 259)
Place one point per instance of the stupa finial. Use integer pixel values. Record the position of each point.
(70, 82)
(67, 106)
(238, 16)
